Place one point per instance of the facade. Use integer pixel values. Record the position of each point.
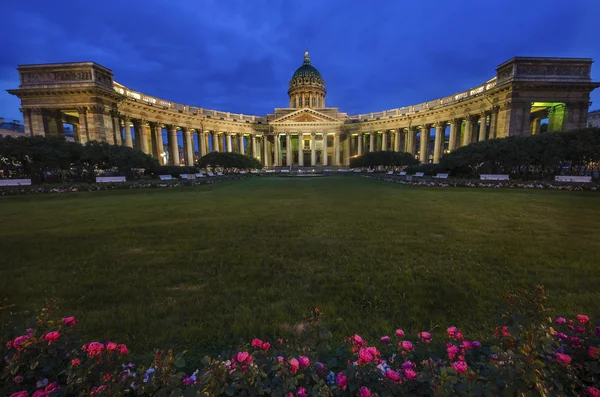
(523, 92)
(594, 119)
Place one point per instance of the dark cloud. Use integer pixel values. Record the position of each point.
(238, 56)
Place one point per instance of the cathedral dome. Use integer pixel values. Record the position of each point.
(307, 70)
(307, 87)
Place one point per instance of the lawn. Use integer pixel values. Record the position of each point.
(209, 266)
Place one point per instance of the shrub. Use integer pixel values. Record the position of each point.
(385, 159)
(54, 158)
(175, 170)
(529, 354)
(229, 161)
(531, 157)
(427, 169)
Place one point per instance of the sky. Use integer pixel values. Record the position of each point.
(239, 55)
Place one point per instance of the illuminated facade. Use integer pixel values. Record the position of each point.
(523, 92)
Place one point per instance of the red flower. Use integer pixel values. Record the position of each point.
(75, 362)
(583, 319)
(70, 321)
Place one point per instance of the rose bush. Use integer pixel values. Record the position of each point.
(529, 354)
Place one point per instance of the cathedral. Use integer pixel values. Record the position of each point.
(521, 93)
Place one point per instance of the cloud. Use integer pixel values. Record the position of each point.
(238, 56)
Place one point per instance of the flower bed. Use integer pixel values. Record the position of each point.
(91, 187)
(529, 354)
(594, 187)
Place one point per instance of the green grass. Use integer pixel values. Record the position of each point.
(209, 266)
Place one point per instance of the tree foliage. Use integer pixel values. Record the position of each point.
(54, 158)
(385, 159)
(229, 161)
(531, 157)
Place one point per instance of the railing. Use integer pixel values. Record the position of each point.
(406, 110)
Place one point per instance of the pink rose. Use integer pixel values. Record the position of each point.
(341, 381)
(410, 374)
(583, 319)
(364, 392)
(304, 361)
(52, 387)
(266, 346)
(425, 336)
(392, 375)
(294, 365)
(257, 343)
(385, 339)
(459, 366)
(70, 321)
(123, 349)
(19, 341)
(458, 335)
(52, 337)
(280, 359)
(452, 351)
(466, 345)
(75, 362)
(357, 340)
(563, 358)
(243, 357)
(111, 346)
(451, 331)
(301, 392)
(591, 391)
(40, 393)
(364, 356)
(18, 379)
(20, 394)
(400, 333)
(560, 321)
(406, 345)
(93, 348)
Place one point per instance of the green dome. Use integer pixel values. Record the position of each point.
(307, 70)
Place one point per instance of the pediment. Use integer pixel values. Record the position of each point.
(306, 115)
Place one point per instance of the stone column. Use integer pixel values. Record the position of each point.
(39, 128)
(254, 151)
(397, 138)
(159, 143)
(424, 147)
(360, 144)
(201, 143)
(228, 134)
(535, 126)
(173, 146)
(289, 157)
(454, 127)
(83, 130)
(215, 141)
(336, 148)
(372, 136)
(439, 142)
(188, 146)
(116, 126)
(469, 119)
(347, 147)
(384, 140)
(324, 155)
(276, 150)
(144, 147)
(241, 143)
(266, 154)
(301, 149)
(493, 122)
(482, 127)
(313, 150)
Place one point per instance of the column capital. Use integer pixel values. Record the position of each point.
(495, 109)
(80, 109)
(455, 121)
(172, 128)
(313, 134)
(96, 109)
(470, 118)
(440, 124)
(288, 134)
(154, 124)
(424, 127)
(484, 113)
(125, 117)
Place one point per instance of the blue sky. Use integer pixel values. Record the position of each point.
(238, 56)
